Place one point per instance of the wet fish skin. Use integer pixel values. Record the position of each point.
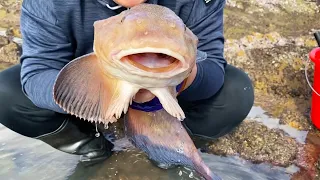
(99, 86)
(164, 140)
(145, 28)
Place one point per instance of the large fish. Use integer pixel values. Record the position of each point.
(147, 47)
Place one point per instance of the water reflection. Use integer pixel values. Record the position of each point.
(258, 114)
(24, 158)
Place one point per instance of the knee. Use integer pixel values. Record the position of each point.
(239, 91)
(9, 90)
(219, 114)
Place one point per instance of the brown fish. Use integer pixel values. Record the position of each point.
(145, 47)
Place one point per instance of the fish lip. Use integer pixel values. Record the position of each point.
(168, 52)
(128, 72)
(123, 53)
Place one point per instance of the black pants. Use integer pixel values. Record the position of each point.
(212, 118)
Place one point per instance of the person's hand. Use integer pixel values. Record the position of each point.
(191, 77)
(143, 95)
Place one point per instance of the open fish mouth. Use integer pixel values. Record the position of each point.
(151, 60)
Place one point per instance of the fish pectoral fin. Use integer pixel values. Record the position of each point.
(169, 102)
(123, 99)
(83, 89)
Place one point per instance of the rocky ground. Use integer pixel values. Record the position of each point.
(9, 31)
(270, 40)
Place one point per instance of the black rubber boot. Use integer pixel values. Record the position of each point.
(79, 137)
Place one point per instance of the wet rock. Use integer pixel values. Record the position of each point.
(10, 15)
(274, 56)
(257, 143)
(3, 41)
(308, 158)
(13, 32)
(9, 19)
(244, 17)
(301, 175)
(275, 6)
(9, 53)
(276, 66)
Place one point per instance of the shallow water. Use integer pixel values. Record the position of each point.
(258, 114)
(23, 158)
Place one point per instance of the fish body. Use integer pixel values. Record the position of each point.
(145, 47)
(166, 143)
(138, 33)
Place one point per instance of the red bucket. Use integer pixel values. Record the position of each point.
(315, 104)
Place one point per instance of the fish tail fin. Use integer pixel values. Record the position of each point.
(204, 171)
(164, 139)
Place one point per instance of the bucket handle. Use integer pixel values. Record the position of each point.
(317, 37)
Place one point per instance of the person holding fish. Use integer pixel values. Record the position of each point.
(46, 95)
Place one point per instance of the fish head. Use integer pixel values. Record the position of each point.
(146, 42)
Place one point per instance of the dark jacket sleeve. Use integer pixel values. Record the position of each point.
(206, 21)
(45, 51)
